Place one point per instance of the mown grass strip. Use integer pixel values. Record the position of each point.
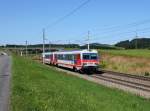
(39, 88)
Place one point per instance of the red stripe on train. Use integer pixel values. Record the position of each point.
(89, 60)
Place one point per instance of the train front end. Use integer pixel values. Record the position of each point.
(90, 61)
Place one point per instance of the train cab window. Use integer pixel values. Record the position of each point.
(47, 56)
(88, 56)
(93, 56)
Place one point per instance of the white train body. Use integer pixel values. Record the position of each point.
(77, 59)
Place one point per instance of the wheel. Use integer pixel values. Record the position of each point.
(81, 71)
(75, 69)
(57, 65)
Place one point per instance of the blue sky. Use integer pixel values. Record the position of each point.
(108, 21)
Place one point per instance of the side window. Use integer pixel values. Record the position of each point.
(71, 57)
(66, 57)
(63, 57)
(60, 57)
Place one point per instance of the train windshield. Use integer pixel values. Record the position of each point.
(89, 56)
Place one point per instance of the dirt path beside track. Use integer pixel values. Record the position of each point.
(5, 73)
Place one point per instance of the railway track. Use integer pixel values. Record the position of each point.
(127, 75)
(140, 83)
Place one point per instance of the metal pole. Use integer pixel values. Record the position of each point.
(49, 45)
(26, 48)
(88, 40)
(43, 43)
(21, 53)
(136, 42)
(69, 44)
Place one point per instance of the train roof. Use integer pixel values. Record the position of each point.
(72, 51)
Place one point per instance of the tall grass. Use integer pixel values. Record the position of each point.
(128, 61)
(130, 53)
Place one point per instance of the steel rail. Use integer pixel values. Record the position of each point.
(125, 75)
(121, 83)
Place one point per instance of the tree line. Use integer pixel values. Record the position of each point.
(138, 43)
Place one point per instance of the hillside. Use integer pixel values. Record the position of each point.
(92, 45)
(100, 46)
(139, 43)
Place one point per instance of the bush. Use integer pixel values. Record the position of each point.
(103, 64)
(147, 74)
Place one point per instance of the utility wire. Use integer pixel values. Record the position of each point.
(116, 28)
(127, 32)
(110, 29)
(118, 34)
(67, 15)
(129, 25)
(120, 27)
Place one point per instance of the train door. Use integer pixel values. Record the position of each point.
(51, 58)
(78, 59)
(55, 59)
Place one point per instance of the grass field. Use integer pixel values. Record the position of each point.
(130, 53)
(39, 88)
(127, 61)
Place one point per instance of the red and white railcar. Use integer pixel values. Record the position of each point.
(78, 60)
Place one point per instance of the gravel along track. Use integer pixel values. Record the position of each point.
(139, 83)
(126, 75)
(123, 78)
(125, 82)
(5, 67)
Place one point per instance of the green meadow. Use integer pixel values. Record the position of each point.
(35, 87)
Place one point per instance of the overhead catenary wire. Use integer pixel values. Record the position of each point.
(67, 15)
(129, 25)
(118, 28)
(112, 35)
(110, 29)
(127, 32)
